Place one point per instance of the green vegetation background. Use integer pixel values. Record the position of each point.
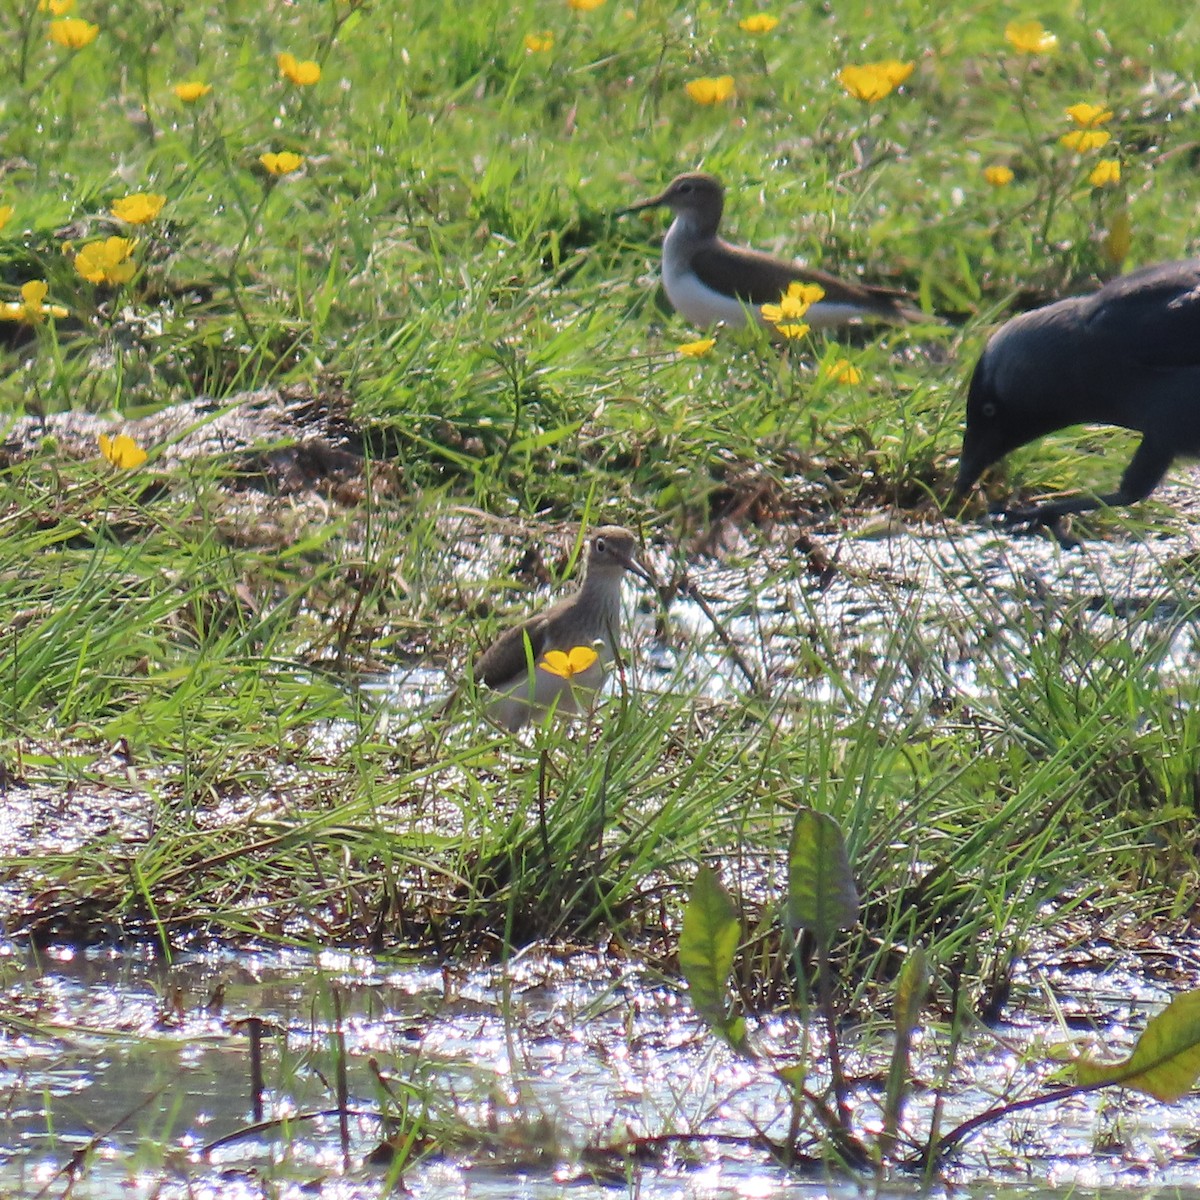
(447, 262)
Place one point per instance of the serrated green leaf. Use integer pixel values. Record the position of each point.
(1166, 1060)
(821, 892)
(707, 944)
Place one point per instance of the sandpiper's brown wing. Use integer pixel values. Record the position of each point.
(771, 277)
(506, 657)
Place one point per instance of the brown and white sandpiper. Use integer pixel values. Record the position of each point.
(556, 642)
(708, 280)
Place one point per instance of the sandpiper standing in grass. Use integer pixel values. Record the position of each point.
(707, 280)
(570, 644)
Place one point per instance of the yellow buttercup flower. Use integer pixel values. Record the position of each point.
(122, 451)
(584, 5)
(282, 163)
(696, 349)
(568, 663)
(73, 32)
(1089, 115)
(1106, 172)
(843, 371)
(192, 91)
(998, 175)
(895, 71)
(709, 90)
(139, 208)
(539, 43)
(873, 81)
(6, 212)
(1030, 37)
(791, 332)
(793, 304)
(1083, 140)
(302, 73)
(31, 308)
(56, 8)
(758, 23)
(108, 261)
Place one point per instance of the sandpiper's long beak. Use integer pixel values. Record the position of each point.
(641, 206)
(639, 569)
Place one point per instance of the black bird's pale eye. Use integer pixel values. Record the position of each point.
(988, 410)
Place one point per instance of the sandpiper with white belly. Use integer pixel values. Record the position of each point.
(709, 281)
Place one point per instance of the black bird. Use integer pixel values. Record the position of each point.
(1127, 355)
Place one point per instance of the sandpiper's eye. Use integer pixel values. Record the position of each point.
(601, 545)
(988, 410)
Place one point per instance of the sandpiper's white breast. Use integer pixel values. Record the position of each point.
(693, 300)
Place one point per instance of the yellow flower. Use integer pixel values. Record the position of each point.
(139, 207)
(539, 43)
(6, 212)
(73, 32)
(1030, 37)
(758, 23)
(192, 91)
(1107, 171)
(843, 371)
(122, 451)
(31, 307)
(792, 331)
(283, 163)
(302, 74)
(697, 349)
(873, 81)
(707, 90)
(108, 261)
(56, 8)
(1089, 115)
(895, 70)
(1083, 140)
(568, 663)
(997, 175)
(584, 5)
(793, 304)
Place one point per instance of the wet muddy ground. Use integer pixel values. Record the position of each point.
(537, 1078)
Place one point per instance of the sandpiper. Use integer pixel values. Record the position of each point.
(570, 644)
(707, 280)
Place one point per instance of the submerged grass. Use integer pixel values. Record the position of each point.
(187, 637)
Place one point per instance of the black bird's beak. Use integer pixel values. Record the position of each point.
(969, 472)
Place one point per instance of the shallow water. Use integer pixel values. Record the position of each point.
(529, 1072)
(929, 604)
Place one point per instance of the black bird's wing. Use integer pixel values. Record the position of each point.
(1151, 316)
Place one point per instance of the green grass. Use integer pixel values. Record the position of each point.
(180, 639)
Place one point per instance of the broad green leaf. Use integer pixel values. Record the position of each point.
(1166, 1060)
(821, 892)
(707, 944)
